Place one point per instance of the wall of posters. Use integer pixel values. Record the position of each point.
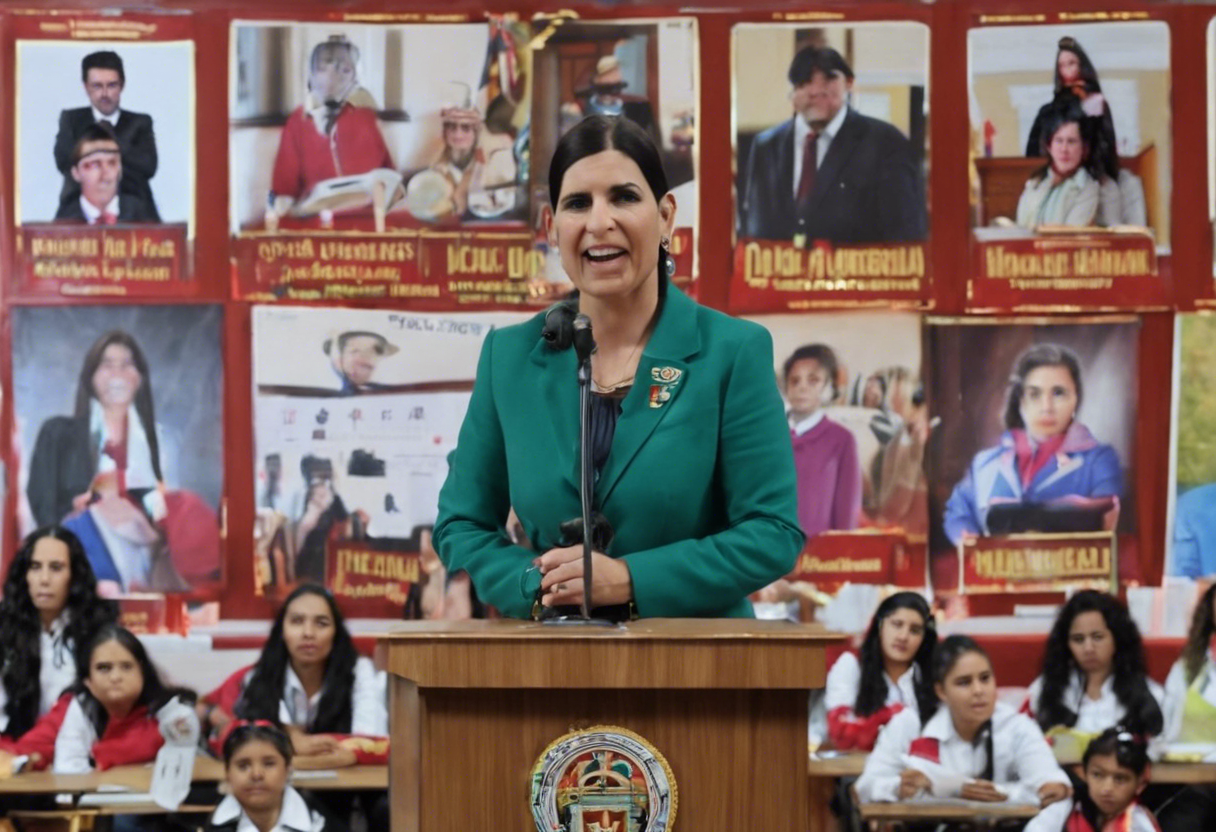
(119, 432)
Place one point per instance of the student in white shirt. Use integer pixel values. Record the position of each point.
(1094, 674)
(1190, 716)
(1115, 771)
(891, 673)
(50, 607)
(999, 755)
(257, 766)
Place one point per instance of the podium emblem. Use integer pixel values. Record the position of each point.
(603, 779)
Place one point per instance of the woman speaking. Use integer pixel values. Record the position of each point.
(692, 460)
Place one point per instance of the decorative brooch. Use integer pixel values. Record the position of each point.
(666, 379)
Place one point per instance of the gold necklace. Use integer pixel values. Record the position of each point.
(624, 382)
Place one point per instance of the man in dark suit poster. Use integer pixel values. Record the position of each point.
(830, 173)
(104, 80)
(98, 173)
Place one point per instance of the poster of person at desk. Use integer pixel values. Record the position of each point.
(361, 126)
(1070, 132)
(1192, 540)
(1040, 440)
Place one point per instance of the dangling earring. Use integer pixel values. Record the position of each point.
(669, 263)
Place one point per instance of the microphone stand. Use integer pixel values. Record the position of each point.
(584, 346)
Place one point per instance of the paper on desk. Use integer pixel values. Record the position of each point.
(175, 760)
(945, 783)
(1189, 752)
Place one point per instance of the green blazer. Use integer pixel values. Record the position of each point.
(699, 484)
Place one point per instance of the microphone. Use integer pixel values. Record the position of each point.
(584, 343)
(558, 329)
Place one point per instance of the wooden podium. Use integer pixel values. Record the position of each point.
(474, 704)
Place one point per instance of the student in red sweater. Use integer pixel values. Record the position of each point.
(115, 709)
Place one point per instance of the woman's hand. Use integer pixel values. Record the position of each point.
(913, 782)
(984, 791)
(309, 745)
(563, 578)
(1050, 793)
(338, 758)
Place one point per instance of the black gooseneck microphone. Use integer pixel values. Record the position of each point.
(565, 327)
(584, 345)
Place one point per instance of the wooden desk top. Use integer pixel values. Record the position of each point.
(840, 764)
(945, 811)
(645, 629)
(138, 779)
(650, 654)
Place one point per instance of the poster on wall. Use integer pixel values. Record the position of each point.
(859, 425)
(382, 161)
(1071, 150)
(643, 70)
(355, 412)
(1191, 548)
(1034, 442)
(831, 132)
(119, 430)
(104, 155)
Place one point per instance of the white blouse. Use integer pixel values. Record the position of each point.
(369, 701)
(294, 816)
(1093, 715)
(56, 670)
(1175, 695)
(1023, 759)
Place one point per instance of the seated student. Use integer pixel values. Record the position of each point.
(119, 709)
(893, 673)
(1115, 772)
(1094, 674)
(50, 607)
(1001, 753)
(1190, 715)
(257, 766)
(310, 679)
(97, 166)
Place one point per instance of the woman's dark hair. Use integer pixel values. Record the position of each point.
(1195, 653)
(155, 692)
(598, 133)
(246, 732)
(872, 689)
(1142, 713)
(143, 396)
(1040, 355)
(1089, 75)
(945, 657)
(1129, 748)
(264, 691)
(1130, 752)
(822, 353)
(21, 625)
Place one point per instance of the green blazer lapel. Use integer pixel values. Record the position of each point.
(662, 374)
(559, 388)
